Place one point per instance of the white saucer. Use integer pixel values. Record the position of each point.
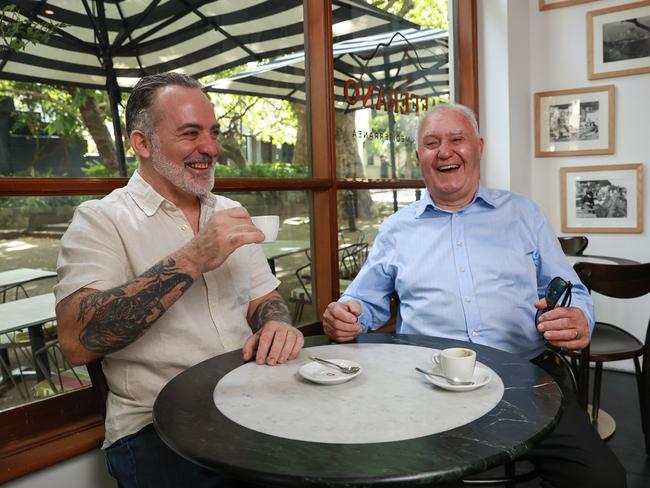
(328, 375)
(481, 378)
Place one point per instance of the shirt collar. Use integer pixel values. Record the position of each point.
(149, 200)
(426, 202)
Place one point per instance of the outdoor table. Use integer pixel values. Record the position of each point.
(388, 426)
(30, 313)
(279, 249)
(16, 278)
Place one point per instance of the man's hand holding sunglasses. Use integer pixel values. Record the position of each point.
(563, 326)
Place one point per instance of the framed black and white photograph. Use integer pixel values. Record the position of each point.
(549, 4)
(605, 198)
(618, 40)
(575, 122)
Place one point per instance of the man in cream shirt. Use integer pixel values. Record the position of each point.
(162, 274)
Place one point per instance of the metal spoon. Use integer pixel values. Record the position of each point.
(345, 369)
(451, 381)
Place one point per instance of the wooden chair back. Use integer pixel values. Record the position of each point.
(573, 245)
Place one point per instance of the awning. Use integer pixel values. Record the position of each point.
(199, 37)
(110, 44)
(409, 60)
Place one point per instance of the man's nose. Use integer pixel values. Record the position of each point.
(209, 145)
(444, 150)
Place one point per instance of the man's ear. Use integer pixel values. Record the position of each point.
(140, 145)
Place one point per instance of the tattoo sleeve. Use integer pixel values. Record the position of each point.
(116, 318)
(273, 309)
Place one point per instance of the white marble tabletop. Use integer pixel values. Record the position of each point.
(389, 400)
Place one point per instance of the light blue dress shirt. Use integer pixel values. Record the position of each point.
(471, 275)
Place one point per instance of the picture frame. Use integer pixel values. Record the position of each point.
(602, 198)
(550, 4)
(576, 122)
(618, 40)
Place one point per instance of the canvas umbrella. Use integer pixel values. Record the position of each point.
(409, 60)
(110, 44)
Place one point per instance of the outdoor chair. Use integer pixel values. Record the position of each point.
(59, 374)
(302, 295)
(351, 259)
(610, 342)
(18, 343)
(573, 245)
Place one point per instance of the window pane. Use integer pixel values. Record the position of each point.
(68, 131)
(361, 212)
(382, 83)
(30, 229)
(290, 254)
(261, 137)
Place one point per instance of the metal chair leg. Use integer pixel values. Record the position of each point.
(595, 402)
(642, 392)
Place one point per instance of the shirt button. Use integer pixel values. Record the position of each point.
(461, 269)
(183, 227)
(474, 333)
(468, 299)
(459, 243)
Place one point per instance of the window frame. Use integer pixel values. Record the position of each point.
(52, 430)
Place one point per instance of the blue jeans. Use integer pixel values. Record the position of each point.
(143, 460)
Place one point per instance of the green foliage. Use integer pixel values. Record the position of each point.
(262, 170)
(95, 169)
(17, 32)
(42, 202)
(45, 110)
(427, 13)
(268, 119)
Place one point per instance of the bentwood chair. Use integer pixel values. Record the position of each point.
(610, 342)
(573, 245)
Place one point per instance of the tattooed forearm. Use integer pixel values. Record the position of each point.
(116, 318)
(273, 309)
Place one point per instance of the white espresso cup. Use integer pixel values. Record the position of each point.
(269, 225)
(456, 363)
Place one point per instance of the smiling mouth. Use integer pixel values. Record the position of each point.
(198, 164)
(449, 167)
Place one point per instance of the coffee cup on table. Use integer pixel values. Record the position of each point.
(456, 363)
(269, 225)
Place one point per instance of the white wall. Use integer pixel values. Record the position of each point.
(85, 471)
(523, 50)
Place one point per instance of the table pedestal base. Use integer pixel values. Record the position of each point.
(604, 424)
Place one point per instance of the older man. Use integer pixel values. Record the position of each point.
(470, 263)
(162, 274)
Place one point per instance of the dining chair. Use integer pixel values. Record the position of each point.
(611, 342)
(573, 245)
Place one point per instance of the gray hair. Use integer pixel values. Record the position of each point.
(138, 108)
(462, 109)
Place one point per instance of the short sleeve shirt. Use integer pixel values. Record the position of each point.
(115, 239)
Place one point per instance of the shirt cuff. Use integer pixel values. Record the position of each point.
(365, 319)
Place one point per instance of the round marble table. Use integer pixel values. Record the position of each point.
(502, 419)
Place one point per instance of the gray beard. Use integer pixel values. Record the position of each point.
(177, 175)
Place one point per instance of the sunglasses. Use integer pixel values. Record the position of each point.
(557, 289)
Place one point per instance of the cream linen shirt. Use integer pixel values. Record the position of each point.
(116, 239)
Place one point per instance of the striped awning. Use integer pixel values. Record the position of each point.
(106, 40)
(409, 60)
